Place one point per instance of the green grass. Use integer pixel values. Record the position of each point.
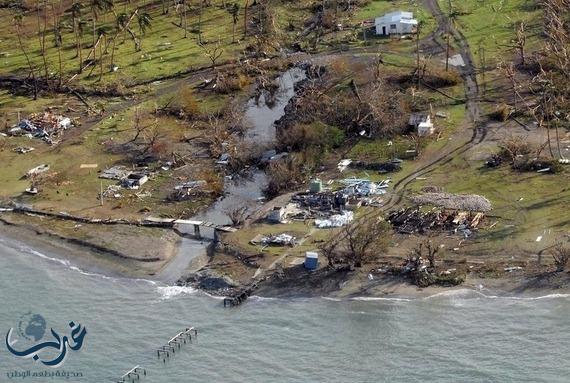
(525, 205)
(164, 49)
(491, 24)
(377, 8)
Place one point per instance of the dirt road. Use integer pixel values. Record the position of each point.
(472, 132)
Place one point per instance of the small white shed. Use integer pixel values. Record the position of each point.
(398, 22)
(421, 122)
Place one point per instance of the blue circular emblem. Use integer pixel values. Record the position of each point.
(32, 326)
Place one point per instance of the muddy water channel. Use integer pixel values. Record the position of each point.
(262, 112)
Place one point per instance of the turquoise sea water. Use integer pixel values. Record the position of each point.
(462, 336)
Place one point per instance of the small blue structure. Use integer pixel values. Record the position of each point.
(311, 260)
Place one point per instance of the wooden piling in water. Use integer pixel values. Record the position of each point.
(239, 297)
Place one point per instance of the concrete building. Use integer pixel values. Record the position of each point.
(396, 23)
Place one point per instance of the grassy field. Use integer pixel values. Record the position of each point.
(490, 26)
(164, 49)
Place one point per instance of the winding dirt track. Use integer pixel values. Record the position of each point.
(469, 75)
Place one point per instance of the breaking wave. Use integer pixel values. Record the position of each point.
(168, 292)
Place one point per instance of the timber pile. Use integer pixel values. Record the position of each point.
(413, 220)
(465, 202)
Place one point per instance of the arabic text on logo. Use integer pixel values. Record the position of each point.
(31, 330)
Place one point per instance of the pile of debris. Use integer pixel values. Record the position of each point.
(274, 240)
(187, 190)
(129, 179)
(465, 202)
(414, 220)
(337, 220)
(47, 126)
(356, 192)
(37, 170)
(282, 214)
(359, 187)
(324, 202)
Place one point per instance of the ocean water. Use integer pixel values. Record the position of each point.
(463, 336)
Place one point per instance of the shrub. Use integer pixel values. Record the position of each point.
(288, 173)
(230, 84)
(501, 112)
(187, 102)
(302, 136)
(513, 147)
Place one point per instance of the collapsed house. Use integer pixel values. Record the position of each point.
(128, 179)
(188, 190)
(134, 181)
(330, 208)
(413, 220)
(281, 214)
(456, 212)
(47, 126)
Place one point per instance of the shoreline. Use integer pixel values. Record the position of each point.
(350, 288)
(85, 257)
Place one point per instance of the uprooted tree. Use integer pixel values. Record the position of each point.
(357, 243)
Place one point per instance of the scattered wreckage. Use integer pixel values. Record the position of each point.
(37, 170)
(188, 190)
(330, 208)
(283, 239)
(128, 179)
(46, 126)
(23, 149)
(415, 220)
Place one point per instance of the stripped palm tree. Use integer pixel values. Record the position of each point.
(75, 12)
(98, 6)
(145, 22)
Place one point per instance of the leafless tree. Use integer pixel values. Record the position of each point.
(429, 253)
(141, 123)
(213, 53)
(358, 242)
(238, 215)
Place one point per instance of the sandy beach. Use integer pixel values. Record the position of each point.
(341, 285)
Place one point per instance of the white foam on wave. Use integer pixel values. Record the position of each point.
(373, 299)
(548, 296)
(258, 298)
(70, 266)
(168, 292)
(331, 299)
(457, 293)
(474, 294)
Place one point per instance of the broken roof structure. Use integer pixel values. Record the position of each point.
(47, 126)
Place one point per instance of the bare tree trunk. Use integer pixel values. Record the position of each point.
(447, 48)
(185, 19)
(245, 8)
(101, 62)
(32, 71)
